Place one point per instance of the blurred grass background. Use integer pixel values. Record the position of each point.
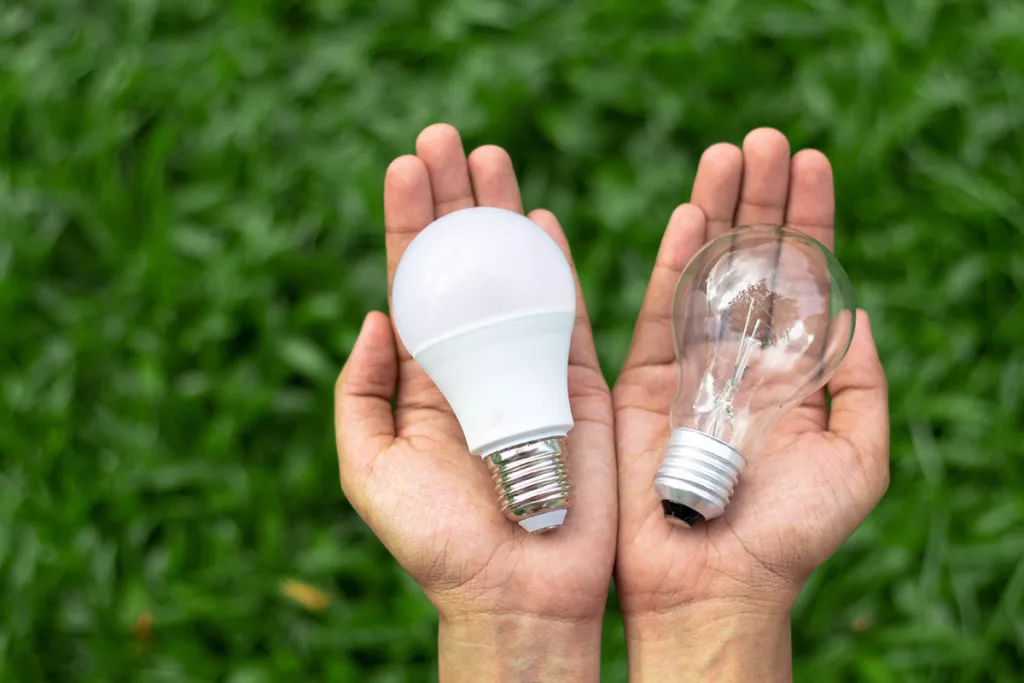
(191, 232)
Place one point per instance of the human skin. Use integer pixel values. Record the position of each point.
(512, 606)
(713, 602)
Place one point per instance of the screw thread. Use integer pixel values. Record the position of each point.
(698, 472)
(531, 479)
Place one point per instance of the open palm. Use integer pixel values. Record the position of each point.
(822, 470)
(406, 469)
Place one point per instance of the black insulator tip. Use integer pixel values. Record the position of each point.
(682, 513)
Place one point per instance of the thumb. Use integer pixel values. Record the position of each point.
(363, 421)
(860, 402)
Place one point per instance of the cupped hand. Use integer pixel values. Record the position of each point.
(822, 470)
(405, 467)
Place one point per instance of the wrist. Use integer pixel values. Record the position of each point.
(725, 641)
(516, 648)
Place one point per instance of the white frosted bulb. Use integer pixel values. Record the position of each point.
(762, 318)
(484, 300)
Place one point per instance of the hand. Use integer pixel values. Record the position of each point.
(508, 601)
(719, 594)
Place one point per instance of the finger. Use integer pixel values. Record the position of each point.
(765, 178)
(860, 403)
(810, 209)
(716, 189)
(494, 179)
(594, 485)
(363, 422)
(408, 207)
(649, 378)
(652, 337)
(581, 348)
(440, 148)
(812, 201)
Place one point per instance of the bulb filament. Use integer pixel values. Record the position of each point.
(722, 413)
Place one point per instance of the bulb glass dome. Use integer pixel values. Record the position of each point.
(763, 316)
(476, 267)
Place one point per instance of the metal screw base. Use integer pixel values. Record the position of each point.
(532, 482)
(697, 476)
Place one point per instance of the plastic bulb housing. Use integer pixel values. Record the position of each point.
(762, 318)
(485, 302)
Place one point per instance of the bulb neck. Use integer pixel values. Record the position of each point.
(532, 483)
(697, 477)
(506, 382)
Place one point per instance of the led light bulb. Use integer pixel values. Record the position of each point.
(485, 301)
(762, 318)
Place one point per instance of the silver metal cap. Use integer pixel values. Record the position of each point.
(697, 476)
(533, 484)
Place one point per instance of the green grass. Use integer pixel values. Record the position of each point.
(191, 232)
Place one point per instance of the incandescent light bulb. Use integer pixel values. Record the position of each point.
(485, 301)
(762, 318)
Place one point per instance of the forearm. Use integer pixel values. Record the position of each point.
(519, 649)
(726, 643)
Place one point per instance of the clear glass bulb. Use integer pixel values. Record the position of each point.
(762, 317)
